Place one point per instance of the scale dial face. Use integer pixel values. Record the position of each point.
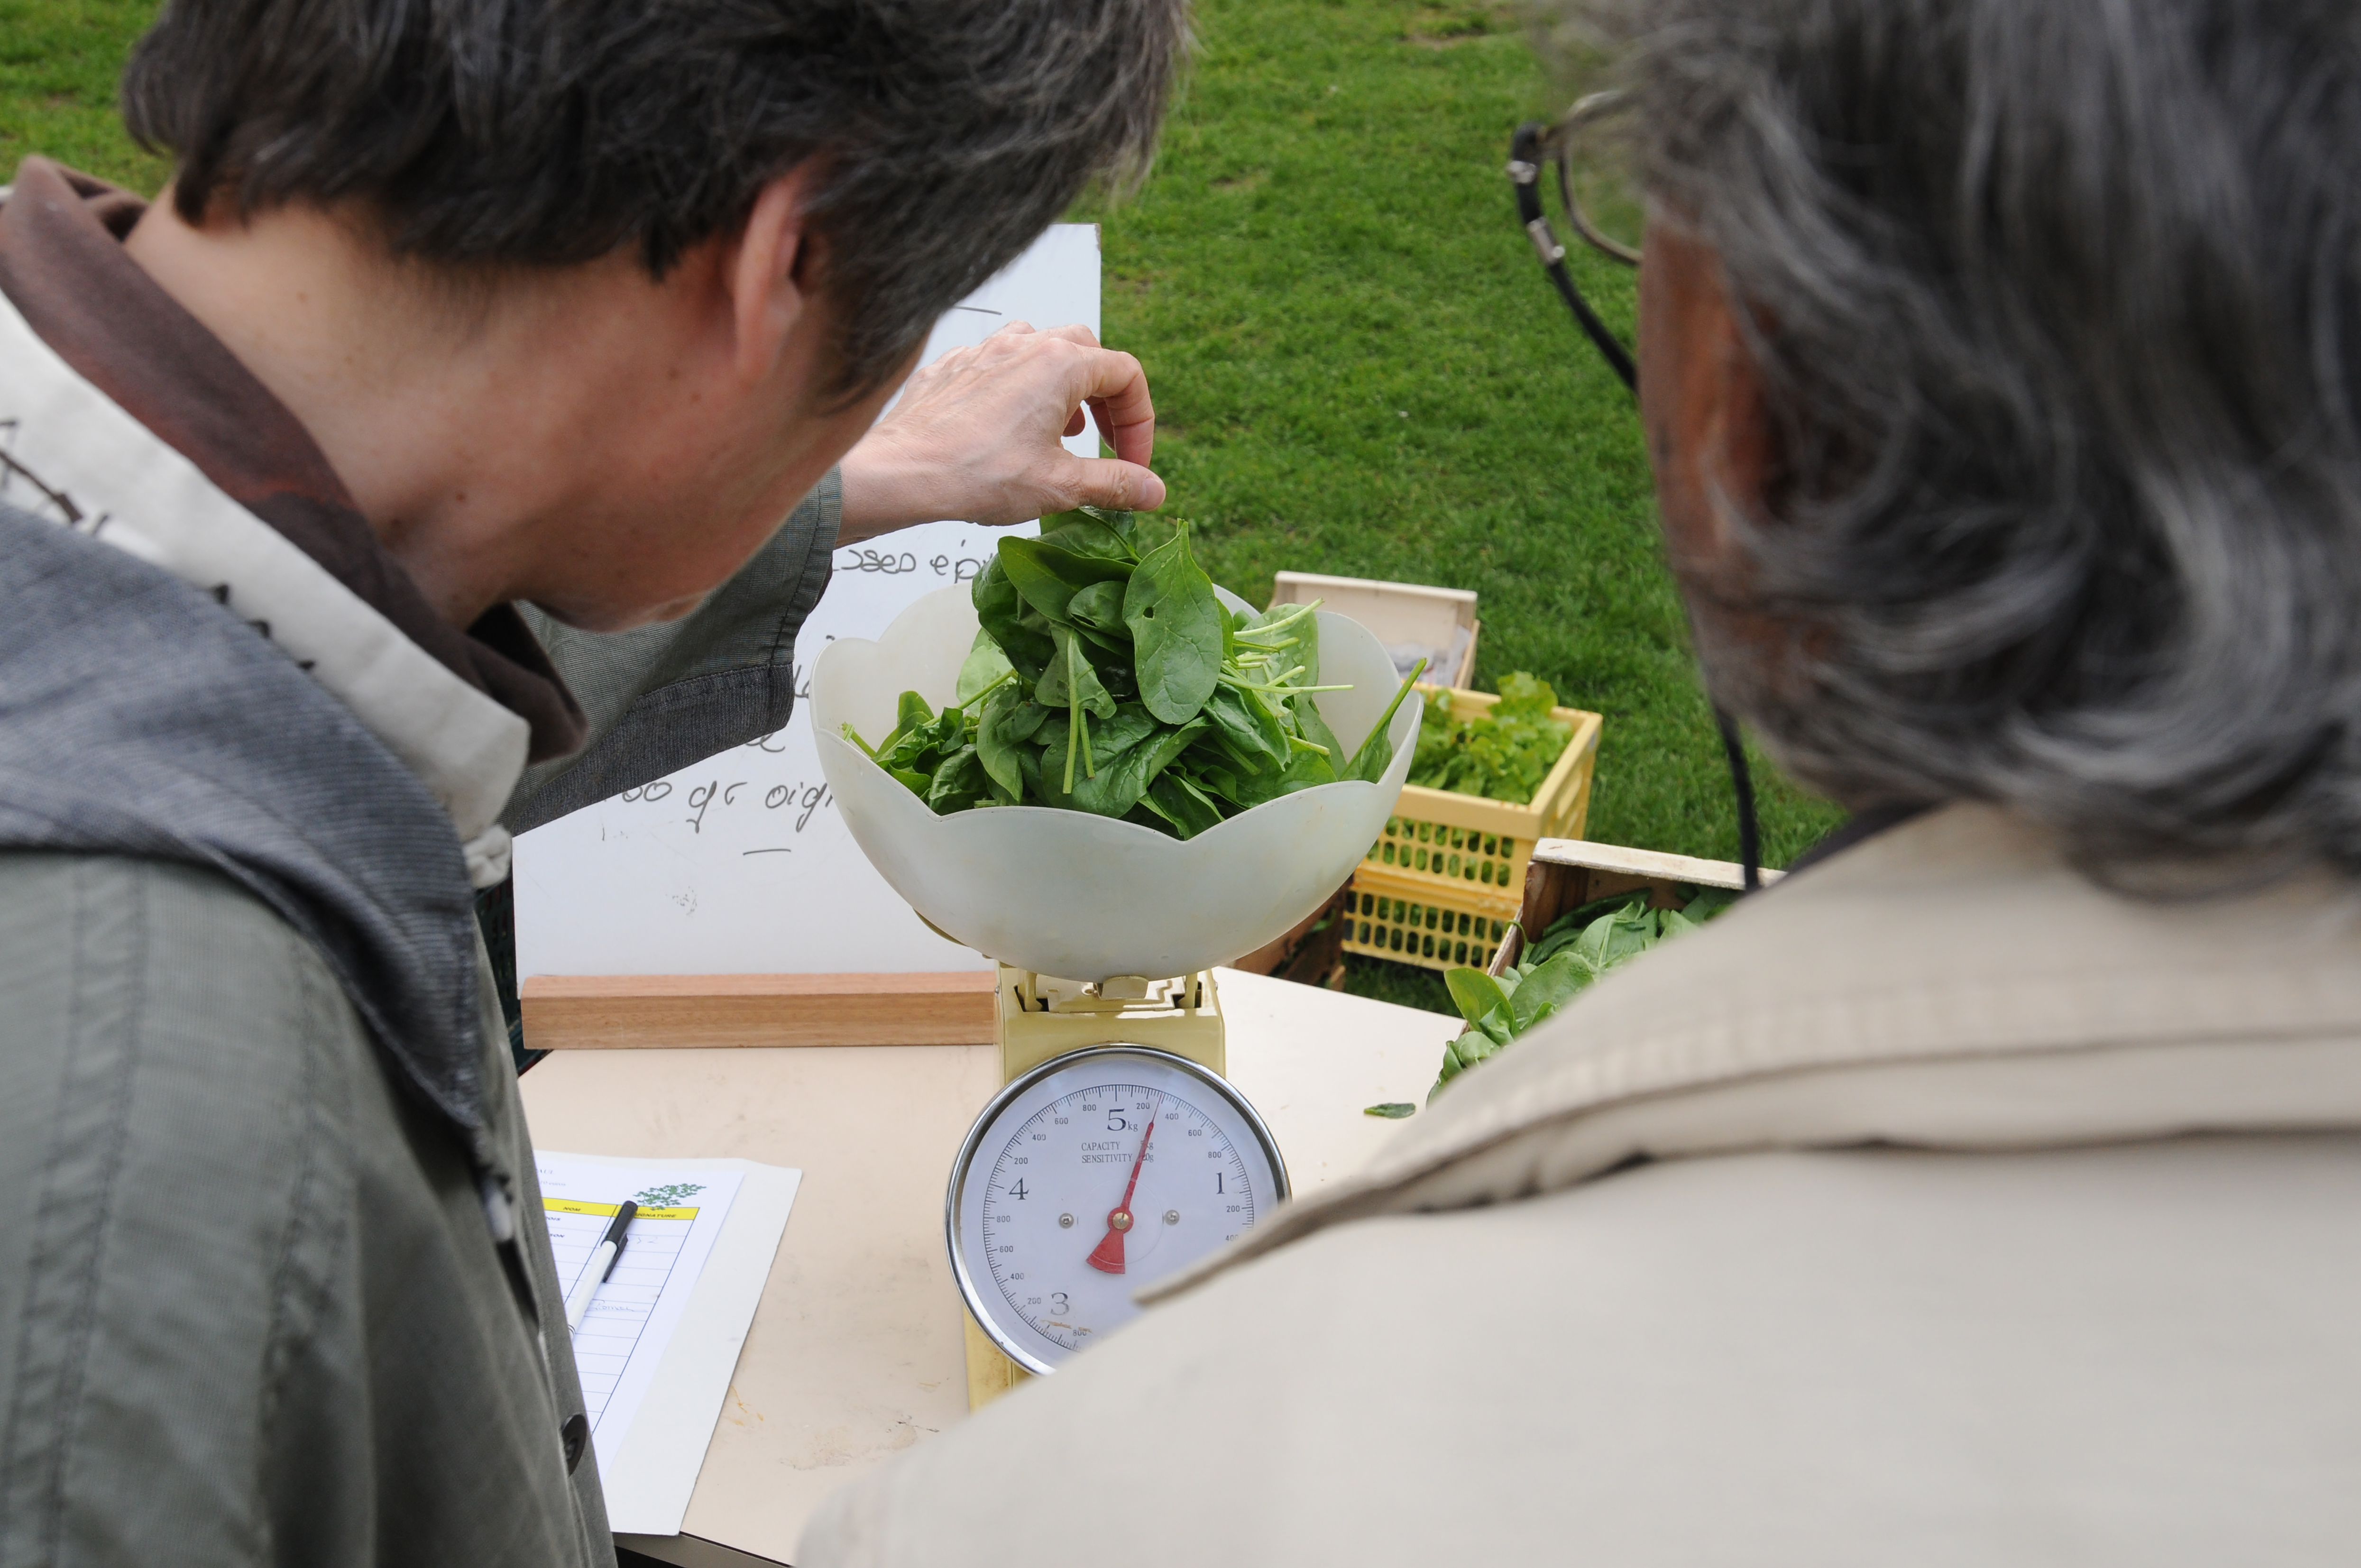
(1090, 1176)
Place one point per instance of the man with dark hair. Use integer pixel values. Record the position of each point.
(470, 362)
(1987, 1191)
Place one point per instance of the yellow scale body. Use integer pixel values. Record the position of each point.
(1039, 1018)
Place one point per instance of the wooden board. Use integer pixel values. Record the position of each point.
(637, 1012)
(1567, 874)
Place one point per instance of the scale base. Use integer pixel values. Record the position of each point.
(1039, 1017)
(989, 1374)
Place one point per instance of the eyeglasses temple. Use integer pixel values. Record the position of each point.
(1524, 172)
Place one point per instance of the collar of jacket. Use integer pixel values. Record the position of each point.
(1951, 983)
(138, 717)
(74, 456)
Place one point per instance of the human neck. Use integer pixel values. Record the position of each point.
(465, 427)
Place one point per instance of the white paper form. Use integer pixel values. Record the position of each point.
(657, 1346)
(629, 1324)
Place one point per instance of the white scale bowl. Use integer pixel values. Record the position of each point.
(1085, 897)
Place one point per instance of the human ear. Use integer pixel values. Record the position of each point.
(769, 275)
(1710, 437)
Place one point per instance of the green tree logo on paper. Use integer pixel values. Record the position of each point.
(667, 1197)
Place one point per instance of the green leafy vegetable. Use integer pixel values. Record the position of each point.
(1176, 631)
(1377, 753)
(1392, 1110)
(985, 667)
(1579, 946)
(1502, 753)
(1109, 678)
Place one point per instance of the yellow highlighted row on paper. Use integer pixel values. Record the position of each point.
(575, 1206)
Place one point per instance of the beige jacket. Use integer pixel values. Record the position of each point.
(1934, 1208)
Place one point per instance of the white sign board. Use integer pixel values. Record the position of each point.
(741, 864)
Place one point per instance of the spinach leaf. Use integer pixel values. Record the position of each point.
(1084, 698)
(1377, 753)
(1212, 779)
(1188, 808)
(1026, 719)
(1143, 531)
(1306, 769)
(1048, 577)
(1098, 608)
(1176, 631)
(1023, 639)
(1545, 990)
(1124, 775)
(910, 713)
(985, 667)
(958, 783)
(1313, 727)
(1578, 948)
(1474, 992)
(1123, 728)
(1087, 530)
(1072, 671)
(996, 744)
(1249, 726)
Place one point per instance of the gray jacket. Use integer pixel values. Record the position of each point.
(274, 1281)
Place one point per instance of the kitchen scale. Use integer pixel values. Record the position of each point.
(1116, 1154)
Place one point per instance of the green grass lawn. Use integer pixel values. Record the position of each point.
(1358, 364)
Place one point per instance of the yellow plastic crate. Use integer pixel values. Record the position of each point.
(1414, 922)
(1467, 846)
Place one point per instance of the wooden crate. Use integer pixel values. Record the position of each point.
(1415, 922)
(1467, 846)
(1566, 874)
(1396, 613)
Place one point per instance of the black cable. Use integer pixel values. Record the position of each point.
(1749, 832)
(1524, 170)
(1525, 155)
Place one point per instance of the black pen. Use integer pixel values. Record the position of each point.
(601, 1267)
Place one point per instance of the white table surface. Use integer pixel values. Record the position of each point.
(856, 1352)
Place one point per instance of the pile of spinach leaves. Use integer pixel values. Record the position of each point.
(1108, 677)
(1502, 753)
(1579, 946)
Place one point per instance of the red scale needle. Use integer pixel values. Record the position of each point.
(1107, 1256)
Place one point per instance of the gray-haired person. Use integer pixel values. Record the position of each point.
(1988, 1191)
(460, 322)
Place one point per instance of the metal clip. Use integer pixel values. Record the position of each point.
(1523, 173)
(1544, 242)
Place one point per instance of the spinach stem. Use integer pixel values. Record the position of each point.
(1073, 743)
(998, 681)
(1235, 683)
(1279, 625)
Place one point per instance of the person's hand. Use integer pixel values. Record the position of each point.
(975, 436)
